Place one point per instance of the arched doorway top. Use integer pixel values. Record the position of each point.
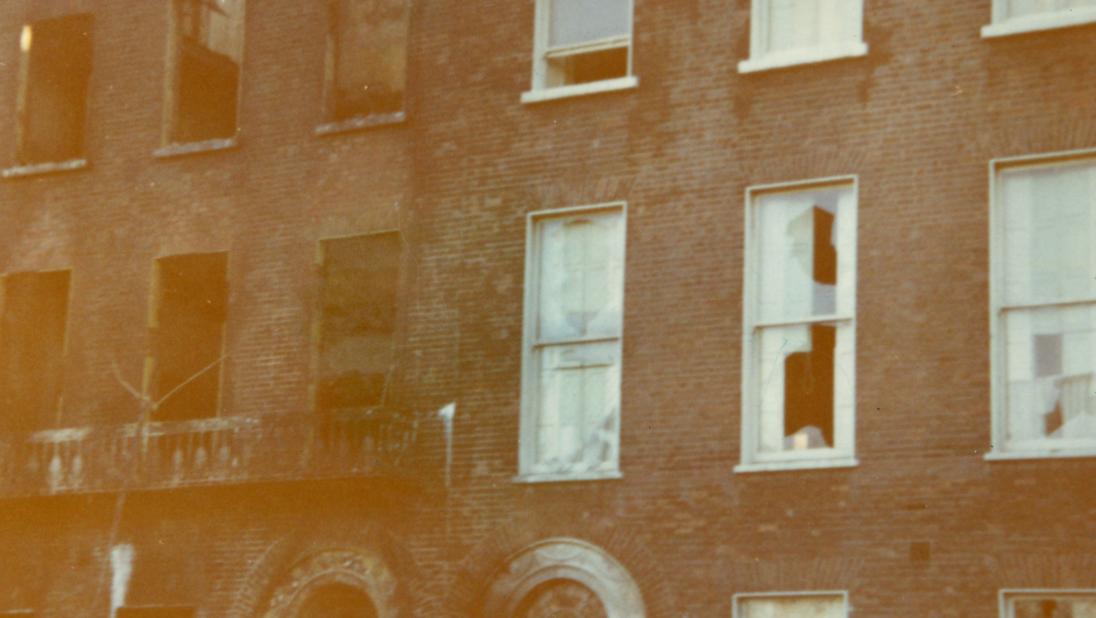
(348, 574)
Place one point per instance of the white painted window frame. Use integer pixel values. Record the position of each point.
(1006, 595)
(530, 366)
(844, 429)
(739, 597)
(540, 90)
(1003, 25)
(762, 60)
(999, 427)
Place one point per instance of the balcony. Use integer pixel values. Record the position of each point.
(214, 451)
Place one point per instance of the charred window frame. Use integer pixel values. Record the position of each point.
(205, 59)
(1043, 305)
(187, 334)
(358, 320)
(799, 308)
(1045, 603)
(812, 604)
(55, 68)
(366, 63)
(32, 348)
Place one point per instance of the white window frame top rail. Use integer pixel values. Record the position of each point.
(544, 52)
(1001, 449)
(736, 599)
(1004, 24)
(762, 59)
(1006, 595)
(842, 454)
(532, 344)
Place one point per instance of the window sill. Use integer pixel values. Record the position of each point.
(1040, 454)
(802, 56)
(578, 90)
(563, 477)
(358, 123)
(189, 148)
(1038, 23)
(802, 464)
(37, 169)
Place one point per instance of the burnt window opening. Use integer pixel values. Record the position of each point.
(367, 58)
(358, 320)
(337, 601)
(591, 67)
(207, 49)
(188, 335)
(808, 392)
(155, 612)
(32, 346)
(53, 95)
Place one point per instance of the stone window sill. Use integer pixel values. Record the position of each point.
(799, 464)
(797, 57)
(578, 90)
(360, 123)
(1040, 454)
(189, 148)
(562, 477)
(37, 169)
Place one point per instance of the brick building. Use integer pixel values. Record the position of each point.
(622, 308)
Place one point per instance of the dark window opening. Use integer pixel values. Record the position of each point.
(367, 57)
(825, 254)
(155, 612)
(358, 322)
(561, 597)
(57, 53)
(208, 47)
(188, 335)
(32, 343)
(591, 66)
(337, 601)
(808, 392)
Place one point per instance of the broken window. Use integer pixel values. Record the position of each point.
(788, 32)
(155, 612)
(1050, 605)
(582, 41)
(1045, 297)
(188, 335)
(32, 347)
(208, 46)
(571, 398)
(358, 321)
(800, 310)
(792, 605)
(367, 58)
(337, 601)
(53, 95)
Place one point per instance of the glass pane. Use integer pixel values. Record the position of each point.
(1051, 362)
(793, 24)
(1050, 231)
(581, 276)
(1055, 607)
(796, 377)
(580, 21)
(579, 404)
(793, 607)
(799, 260)
(1021, 8)
(216, 25)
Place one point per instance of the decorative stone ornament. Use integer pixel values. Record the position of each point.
(362, 571)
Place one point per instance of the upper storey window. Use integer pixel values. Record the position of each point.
(53, 92)
(366, 60)
(789, 32)
(1016, 16)
(1044, 307)
(581, 47)
(204, 70)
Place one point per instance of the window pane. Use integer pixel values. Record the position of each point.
(796, 24)
(579, 21)
(1055, 607)
(793, 607)
(1050, 372)
(796, 377)
(581, 276)
(578, 408)
(1020, 8)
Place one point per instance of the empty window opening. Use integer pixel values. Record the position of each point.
(188, 335)
(582, 41)
(367, 57)
(358, 321)
(208, 45)
(155, 612)
(561, 597)
(808, 391)
(1051, 605)
(32, 345)
(337, 601)
(53, 96)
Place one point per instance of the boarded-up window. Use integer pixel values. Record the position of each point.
(53, 97)
(32, 342)
(188, 335)
(367, 57)
(359, 307)
(208, 46)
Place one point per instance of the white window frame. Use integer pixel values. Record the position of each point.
(999, 426)
(843, 452)
(761, 59)
(1006, 595)
(530, 366)
(1003, 25)
(542, 52)
(737, 599)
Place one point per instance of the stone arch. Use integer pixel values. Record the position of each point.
(361, 571)
(571, 563)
